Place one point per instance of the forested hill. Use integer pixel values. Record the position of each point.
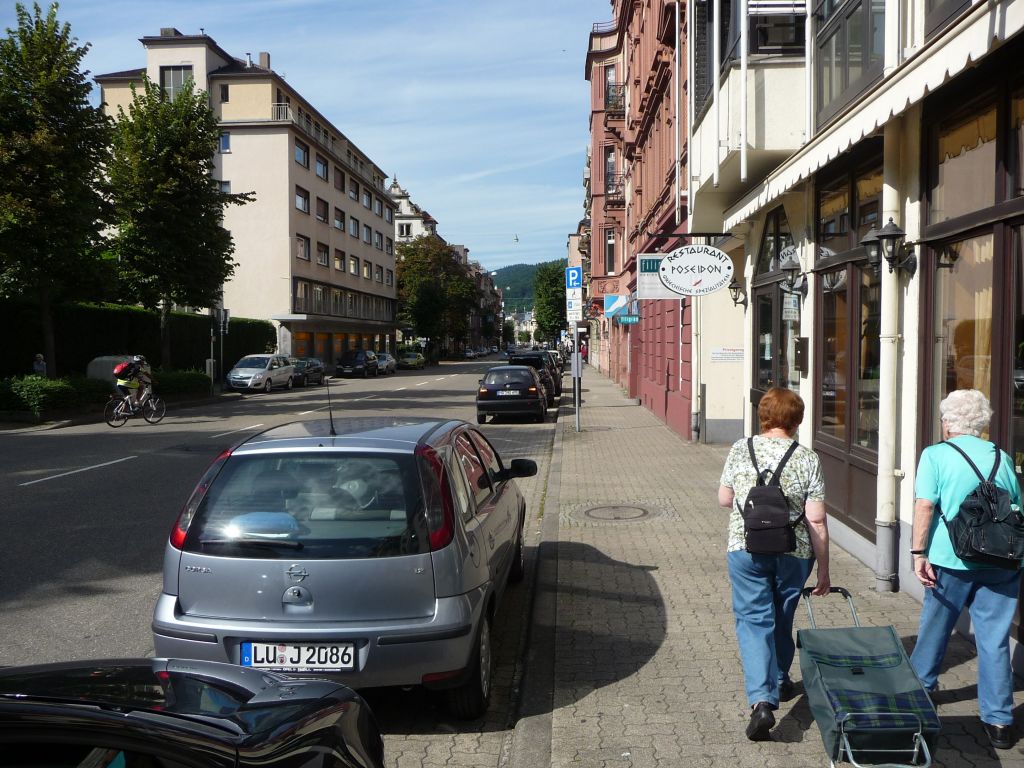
(516, 280)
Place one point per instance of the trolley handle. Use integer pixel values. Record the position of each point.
(805, 593)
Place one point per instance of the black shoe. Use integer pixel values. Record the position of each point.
(1001, 736)
(786, 690)
(761, 722)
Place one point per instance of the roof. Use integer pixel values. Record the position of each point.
(374, 433)
(126, 74)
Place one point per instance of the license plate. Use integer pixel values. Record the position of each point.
(508, 393)
(284, 657)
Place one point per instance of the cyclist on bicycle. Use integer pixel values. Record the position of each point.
(129, 380)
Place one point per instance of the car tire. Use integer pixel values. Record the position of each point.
(481, 418)
(267, 386)
(517, 572)
(541, 416)
(366, 373)
(305, 381)
(470, 700)
(289, 384)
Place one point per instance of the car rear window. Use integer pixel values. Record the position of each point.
(499, 378)
(253, 362)
(313, 506)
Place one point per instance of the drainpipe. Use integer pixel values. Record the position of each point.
(889, 336)
(743, 89)
(716, 30)
(808, 75)
(675, 123)
(691, 101)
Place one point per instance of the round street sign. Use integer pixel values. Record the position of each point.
(696, 270)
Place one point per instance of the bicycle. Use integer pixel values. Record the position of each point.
(119, 409)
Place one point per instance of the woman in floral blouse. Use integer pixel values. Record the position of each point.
(766, 588)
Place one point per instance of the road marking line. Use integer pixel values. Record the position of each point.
(368, 397)
(441, 379)
(303, 413)
(76, 471)
(400, 389)
(243, 429)
(422, 383)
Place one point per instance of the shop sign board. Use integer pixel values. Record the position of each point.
(692, 270)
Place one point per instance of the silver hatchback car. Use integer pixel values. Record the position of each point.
(374, 552)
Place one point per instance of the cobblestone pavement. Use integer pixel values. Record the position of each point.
(646, 670)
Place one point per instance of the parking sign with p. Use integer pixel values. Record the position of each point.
(573, 277)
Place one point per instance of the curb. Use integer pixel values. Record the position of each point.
(531, 737)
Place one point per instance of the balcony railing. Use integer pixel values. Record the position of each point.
(615, 97)
(615, 186)
(601, 27)
(320, 135)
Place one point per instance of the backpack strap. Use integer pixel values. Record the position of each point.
(753, 459)
(981, 477)
(777, 475)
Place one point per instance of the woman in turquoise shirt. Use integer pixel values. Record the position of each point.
(990, 593)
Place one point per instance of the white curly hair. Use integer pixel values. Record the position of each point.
(966, 412)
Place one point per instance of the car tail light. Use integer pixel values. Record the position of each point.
(531, 389)
(439, 505)
(180, 529)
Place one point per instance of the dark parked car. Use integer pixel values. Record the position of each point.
(375, 553)
(542, 362)
(511, 389)
(358, 362)
(168, 713)
(308, 370)
(386, 363)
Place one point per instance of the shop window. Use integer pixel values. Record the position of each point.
(776, 239)
(1017, 144)
(833, 217)
(963, 318)
(867, 189)
(834, 353)
(869, 350)
(963, 165)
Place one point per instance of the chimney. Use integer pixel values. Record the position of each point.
(264, 60)
(169, 32)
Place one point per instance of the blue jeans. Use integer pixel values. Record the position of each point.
(765, 594)
(990, 595)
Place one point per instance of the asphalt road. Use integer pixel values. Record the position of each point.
(87, 510)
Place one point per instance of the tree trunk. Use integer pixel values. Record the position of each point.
(49, 340)
(165, 334)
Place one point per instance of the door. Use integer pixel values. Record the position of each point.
(491, 522)
(776, 331)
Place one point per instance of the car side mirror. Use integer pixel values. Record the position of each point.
(522, 468)
(479, 381)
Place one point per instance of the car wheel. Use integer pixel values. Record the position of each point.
(518, 570)
(366, 373)
(289, 384)
(481, 418)
(305, 381)
(267, 386)
(541, 415)
(469, 701)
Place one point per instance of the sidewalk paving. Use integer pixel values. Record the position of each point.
(645, 669)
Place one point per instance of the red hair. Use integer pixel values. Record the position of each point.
(780, 409)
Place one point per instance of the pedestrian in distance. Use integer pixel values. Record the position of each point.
(766, 587)
(944, 479)
(39, 365)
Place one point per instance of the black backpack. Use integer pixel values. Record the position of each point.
(988, 528)
(766, 524)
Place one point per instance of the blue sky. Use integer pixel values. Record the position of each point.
(479, 108)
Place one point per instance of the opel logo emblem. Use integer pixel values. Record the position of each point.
(297, 573)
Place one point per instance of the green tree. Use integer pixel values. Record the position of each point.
(549, 305)
(168, 207)
(524, 337)
(508, 332)
(53, 144)
(435, 293)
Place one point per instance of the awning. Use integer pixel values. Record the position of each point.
(776, 7)
(982, 29)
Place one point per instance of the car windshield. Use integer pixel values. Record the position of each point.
(299, 364)
(502, 378)
(411, 355)
(328, 505)
(253, 362)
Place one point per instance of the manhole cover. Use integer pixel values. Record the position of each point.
(616, 513)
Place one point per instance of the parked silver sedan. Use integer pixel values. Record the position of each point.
(376, 554)
(387, 363)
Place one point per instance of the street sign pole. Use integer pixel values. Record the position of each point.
(577, 365)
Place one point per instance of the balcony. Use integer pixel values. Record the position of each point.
(615, 189)
(615, 99)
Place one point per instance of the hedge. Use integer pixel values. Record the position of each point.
(85, 331)
(36, 394)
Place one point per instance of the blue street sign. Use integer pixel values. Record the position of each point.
(574, 277)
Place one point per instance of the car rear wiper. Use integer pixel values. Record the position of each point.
(284, 543)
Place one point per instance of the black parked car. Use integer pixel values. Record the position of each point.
(541, 361)
(169, 713)
(511, 389)
(358, 362)
(308, 370)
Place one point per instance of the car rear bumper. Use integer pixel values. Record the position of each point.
(388, 653)
(505, 407)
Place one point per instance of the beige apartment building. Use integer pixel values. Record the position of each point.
(315, 249)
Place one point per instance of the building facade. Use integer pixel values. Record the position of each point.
(315, 249)
(863, 120)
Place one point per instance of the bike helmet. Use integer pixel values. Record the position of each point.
(139, 359)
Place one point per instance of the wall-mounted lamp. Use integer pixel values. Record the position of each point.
(888, 243)
(791, 267)
(738, 293)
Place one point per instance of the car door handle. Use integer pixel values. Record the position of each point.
(490, 540)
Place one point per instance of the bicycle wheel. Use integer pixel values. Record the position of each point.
(114, 413)
(154, 409)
